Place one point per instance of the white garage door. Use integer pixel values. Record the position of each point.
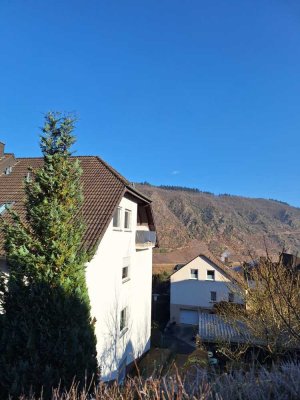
(189, 317)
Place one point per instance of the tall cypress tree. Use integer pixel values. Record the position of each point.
(47, 336)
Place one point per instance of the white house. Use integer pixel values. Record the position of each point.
(120, 226)
(197, 286)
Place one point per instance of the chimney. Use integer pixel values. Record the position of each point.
(2, 145)
(225, 257)
(7, 161)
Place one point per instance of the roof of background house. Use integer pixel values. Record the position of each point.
(212, 328)
(103, 189)
(290, 260)
(210, 257)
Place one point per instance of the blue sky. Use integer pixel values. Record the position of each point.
(196, 93)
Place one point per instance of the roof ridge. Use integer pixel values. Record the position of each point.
(120, 177)
(41, 157)
(123, 179)
(113, 171)
(220, 264)
(214, 259)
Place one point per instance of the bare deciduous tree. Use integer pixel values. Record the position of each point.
(271, 317)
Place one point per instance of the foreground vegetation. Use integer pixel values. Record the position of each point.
(46, 334)
(281, 382)
(271, 320)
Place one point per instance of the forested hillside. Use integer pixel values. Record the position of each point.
(188, 219)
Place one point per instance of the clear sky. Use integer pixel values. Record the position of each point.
(196, 93)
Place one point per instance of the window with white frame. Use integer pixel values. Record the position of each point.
(231, 297)
(213, 296)
(194, 273)
(210, 275)
(123, 319)
(117, 218)
(125, 274)
(126, 269)
(127, 220)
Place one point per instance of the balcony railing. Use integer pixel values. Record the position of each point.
(145, 239)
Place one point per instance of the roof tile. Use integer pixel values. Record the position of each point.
(103, 188)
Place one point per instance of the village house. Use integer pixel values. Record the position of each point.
(120, 227)
(198, 285)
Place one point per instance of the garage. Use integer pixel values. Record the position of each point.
(189, 317)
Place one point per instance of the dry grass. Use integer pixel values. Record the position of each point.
(161, 268)
(154, 362)
(280, 383)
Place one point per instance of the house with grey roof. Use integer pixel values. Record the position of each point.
(120, 228)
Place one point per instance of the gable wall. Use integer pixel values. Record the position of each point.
(202, 265)
(188, 293)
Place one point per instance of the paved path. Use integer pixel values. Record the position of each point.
(180, 339)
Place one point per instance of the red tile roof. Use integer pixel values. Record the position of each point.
(103, 189)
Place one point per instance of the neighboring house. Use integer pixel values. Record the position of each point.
(120, 227)
(198, 285)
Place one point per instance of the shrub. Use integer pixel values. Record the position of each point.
(281, 382)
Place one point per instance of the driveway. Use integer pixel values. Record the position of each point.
(179, 338)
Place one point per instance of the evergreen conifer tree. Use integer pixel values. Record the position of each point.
(47, 337)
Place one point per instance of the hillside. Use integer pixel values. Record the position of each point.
(188, 221)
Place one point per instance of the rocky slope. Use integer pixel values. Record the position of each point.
(187, 220)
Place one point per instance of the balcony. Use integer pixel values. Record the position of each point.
(144, 239)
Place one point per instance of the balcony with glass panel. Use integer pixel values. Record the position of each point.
(144, 239)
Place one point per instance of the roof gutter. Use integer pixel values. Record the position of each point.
(138, 194)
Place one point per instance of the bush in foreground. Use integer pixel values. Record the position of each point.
(281, 382)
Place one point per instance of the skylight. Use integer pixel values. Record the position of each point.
(4, 206)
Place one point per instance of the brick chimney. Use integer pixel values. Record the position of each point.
(7, 161)
(2, 146)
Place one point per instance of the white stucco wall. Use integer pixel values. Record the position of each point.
(109, 295)
(195, 293)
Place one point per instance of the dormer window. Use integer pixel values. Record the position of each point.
(8, 170)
